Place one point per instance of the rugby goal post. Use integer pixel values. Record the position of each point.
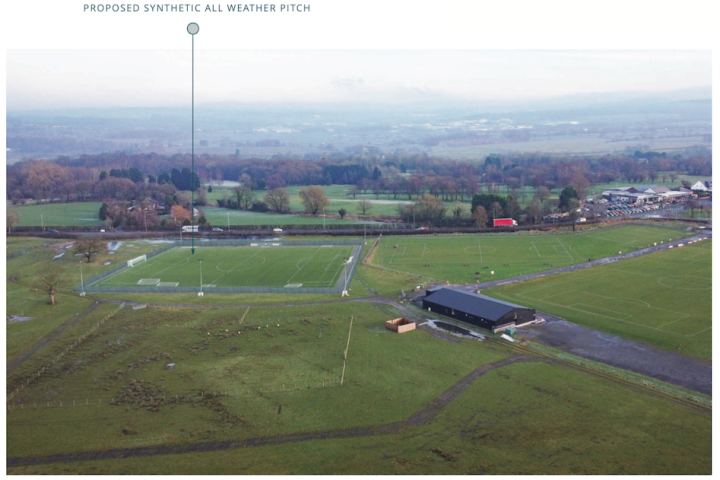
(141, 258)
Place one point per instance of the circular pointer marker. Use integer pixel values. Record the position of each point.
(193, 28)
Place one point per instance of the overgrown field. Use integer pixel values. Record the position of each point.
(472, 258)
(525, 418)
(664, 298)
(234, 374)
(307, 266)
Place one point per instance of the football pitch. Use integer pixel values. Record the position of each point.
(664, 298)
(318, 266)
(472, 258)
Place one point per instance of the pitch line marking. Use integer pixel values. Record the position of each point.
(393, 255)
(566, 250)
(480, 250)
(238, 265)
(331, 261)
(536, 249)
(304, 264)
(617, 320)
(424, 248)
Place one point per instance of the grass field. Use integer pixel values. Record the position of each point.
(247, 266)
(59, 214)
(271, 370)
(220, 217)
(471, 258)
(664, 298)
(522, 418)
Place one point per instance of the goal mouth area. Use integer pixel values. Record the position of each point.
(150, 281)
(141, 258)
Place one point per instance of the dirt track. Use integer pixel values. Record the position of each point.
(16, 362)
(422, 416)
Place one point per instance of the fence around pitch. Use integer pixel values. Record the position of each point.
(88, 286)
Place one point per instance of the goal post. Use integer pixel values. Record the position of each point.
(141, 258)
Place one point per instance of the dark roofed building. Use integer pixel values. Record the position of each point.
(476, 309)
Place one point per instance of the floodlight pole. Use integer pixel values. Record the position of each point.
(228, 215)
(201, 281)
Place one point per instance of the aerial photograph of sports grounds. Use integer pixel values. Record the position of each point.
(390, 270)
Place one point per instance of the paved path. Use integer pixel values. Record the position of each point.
(420, 417)
(672, 367)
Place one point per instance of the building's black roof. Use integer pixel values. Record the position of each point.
(468, 302)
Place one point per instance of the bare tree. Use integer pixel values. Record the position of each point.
(278, 200)
(692, 204)
(496, 210)
(533, 210)
(480, 216)
(50, 281)
(244, 197)
(90, 246)
(13, 218)
(314, 199)
(364, 206)
(542, 193)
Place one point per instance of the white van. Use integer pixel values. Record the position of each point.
(190, 228)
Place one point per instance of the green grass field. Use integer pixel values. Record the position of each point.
(220, 217)
(247, 266)
(59, 214)
(464, 258)
(522, 418)
(525, 418)
(664, 299)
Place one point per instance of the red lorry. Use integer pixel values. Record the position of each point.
(504, 222)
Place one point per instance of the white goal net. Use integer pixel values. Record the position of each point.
(141, 258)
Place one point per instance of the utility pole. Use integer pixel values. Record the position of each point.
(82, 284)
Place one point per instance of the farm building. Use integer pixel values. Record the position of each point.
(476, 309)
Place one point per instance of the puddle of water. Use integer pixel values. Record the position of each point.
(114, 245)
(58, 255)
(16, 318)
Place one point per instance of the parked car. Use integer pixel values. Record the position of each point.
(217, 229)
(52, 230)
(423, 228)
(277, 230)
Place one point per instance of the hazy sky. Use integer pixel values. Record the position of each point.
(151, 78)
